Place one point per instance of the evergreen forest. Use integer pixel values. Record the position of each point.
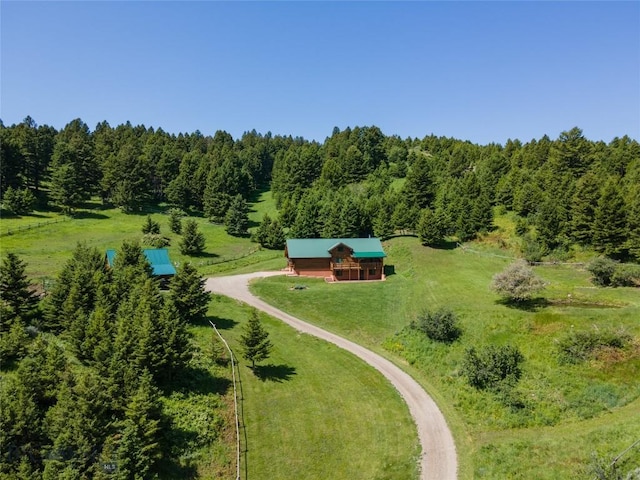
(568, 193)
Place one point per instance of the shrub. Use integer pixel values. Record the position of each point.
(18, 201)
(151, 226)
(602, 269)
(578, 346)
(517, 282)
(441, 325)
(626, 276)
(155, 240)
(492, 367)
(607, 272)
(532, 250)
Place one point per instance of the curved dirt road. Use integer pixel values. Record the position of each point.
(438, 460)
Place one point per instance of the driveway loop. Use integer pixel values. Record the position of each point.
(438, 459)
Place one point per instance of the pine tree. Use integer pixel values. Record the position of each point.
(430, 228)
(306, 224)
(262, 232)
(583, 207)
(193, 241)
(255, 340)
(633, 217)
(420, 186)
(18, 201)
(237, 218)
(175, 220)
(151, 226)
(609, 223)
(16, 297)
(275, 236)
(139, 451)
(216, 206)
(187, 292)
(176, 344)
(78, 422)
(84, 269)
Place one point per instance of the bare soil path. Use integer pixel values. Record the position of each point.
(438, 460)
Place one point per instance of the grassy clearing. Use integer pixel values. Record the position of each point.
(316, 412)
(47, 247)
(570, 403)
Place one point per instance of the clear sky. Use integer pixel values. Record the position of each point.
(479, 71)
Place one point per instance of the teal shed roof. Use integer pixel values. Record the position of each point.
(158, 258)
(320, 247)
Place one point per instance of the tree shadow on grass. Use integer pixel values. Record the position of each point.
(199, 380)
(175, 441)
(531, 305)
(274, 373)
(88, 214)
(219, 322)
(206, 255)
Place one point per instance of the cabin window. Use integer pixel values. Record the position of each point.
(337, 260)
(338, 273)
(372, 271)
(340, 248)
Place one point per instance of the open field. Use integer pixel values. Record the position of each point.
(316, 411)
(588, 408)
(45, 239)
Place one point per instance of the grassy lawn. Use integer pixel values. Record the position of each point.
(45, 239)
(315, 411)
(592, 407)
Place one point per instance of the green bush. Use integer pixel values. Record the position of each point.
(578, 346)
(517, 282)
(18, 201)
(155, 240)
(150, 226)
(532, 250)
(495, 368)
(602, 269)
(626, 276)
(441, 325)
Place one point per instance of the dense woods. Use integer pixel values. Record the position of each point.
(566, 192)
(91, 362)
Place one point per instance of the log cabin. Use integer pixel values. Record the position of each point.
(336, 259)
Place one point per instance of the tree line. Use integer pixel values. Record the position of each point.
(358, 182)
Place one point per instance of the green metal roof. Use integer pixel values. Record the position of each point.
(158, 258)
(319, 247)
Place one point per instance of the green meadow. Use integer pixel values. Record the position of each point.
(564, 413)
(314, 411)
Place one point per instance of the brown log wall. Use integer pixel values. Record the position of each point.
(312, 267)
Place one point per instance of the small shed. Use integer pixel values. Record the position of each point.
(158, 258)
(337, 258)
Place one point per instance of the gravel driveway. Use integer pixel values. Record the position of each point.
(438, 460)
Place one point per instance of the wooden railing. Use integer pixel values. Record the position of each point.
(354, 265)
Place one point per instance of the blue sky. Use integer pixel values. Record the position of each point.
(479, 71)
